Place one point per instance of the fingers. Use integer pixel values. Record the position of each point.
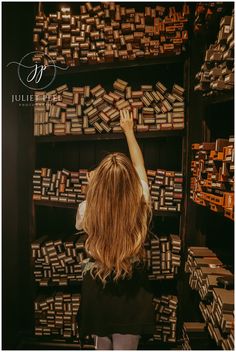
(125, 114)
(122, 114)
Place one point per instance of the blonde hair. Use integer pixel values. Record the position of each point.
(116, 217)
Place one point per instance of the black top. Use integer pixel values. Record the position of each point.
(123, 307)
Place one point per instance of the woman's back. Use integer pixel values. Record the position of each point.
(115, 217)
(116, 295)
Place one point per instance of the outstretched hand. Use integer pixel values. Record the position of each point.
(126, 120)
(127, 124)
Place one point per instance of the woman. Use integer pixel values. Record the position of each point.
(116, 303)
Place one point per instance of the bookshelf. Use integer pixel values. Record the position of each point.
(107, 136)
(75, 206)
(214, 224)
(211, 118)
(161, 149)
(159, 60)
(165, 149)
(214, 127)
(207, 118)
(219, 98)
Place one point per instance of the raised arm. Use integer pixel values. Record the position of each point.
(126, 122)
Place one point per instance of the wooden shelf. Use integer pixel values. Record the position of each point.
(78, 284)
(70, 285)
(158, 345)
(220, 213)
(166, 213)
(171, 280)
(48, 203)
(51, 204)
(116, 65)
(219, 98)
(107, 136)
(48, 342)
(68, 344)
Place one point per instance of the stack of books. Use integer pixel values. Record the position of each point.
(166, 189)
(201, 264)
(163, 256)
(166, 318)
(212, 181)
(58, 262)
(91, 110)
(62, 186)
(215, 286)
(107, 32)
(55, 315)
(195, 336)
(221, 322)
(217, 71)
(69, 187)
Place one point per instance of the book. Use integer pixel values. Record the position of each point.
(212, 178)
(217, 303)
(70, 187)
(109, 34)
(216, 75)
(166, 318)
(163, 256)
(58, 262)
(166, 189)
(62, 186)
(55, 315)
(89, 110)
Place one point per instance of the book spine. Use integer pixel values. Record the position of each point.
(215, 190)
(55, 315)
(82, 110)
(63, 186)
(105, 33)
(58, 262)
(166, 189)
(219, 76)
(163, 256)
(166, 318)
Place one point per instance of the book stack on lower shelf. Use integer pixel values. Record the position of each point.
(166, 189)
(62, 186)
(58, 262)
(90, 110)
(195, 336)
(69, 187)
(221, 321)
(217, 71)
(55, 315)
(212, 181)
(108, 32)
(166, 318)
(163, 256)
(215, 286)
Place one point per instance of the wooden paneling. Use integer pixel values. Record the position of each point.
(17, 175)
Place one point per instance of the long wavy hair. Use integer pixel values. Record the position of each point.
(116, 218)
